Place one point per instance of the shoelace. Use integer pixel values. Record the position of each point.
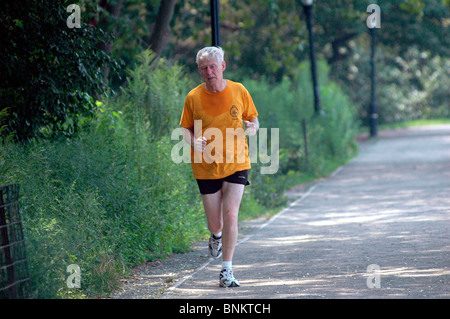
(216, 243)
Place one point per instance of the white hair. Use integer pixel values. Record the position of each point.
(210, 53)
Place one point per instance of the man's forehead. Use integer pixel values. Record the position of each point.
(207, 61)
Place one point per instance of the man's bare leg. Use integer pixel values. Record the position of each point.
(212, 203)
(232, 195)
(222, 210)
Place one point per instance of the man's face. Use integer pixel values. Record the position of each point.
(211, 71)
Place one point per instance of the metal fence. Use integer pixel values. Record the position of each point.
(15, 280)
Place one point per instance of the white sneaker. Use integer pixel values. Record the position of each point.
(226, 278)
(215, 246)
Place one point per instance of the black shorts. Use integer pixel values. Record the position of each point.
(211, 186)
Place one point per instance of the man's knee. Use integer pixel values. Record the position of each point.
(230, 215)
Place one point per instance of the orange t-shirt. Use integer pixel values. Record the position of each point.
(218, 112)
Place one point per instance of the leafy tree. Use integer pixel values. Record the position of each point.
(50, 72)
(412, 54)
(259, 37)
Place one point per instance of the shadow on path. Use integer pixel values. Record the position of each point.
(377, 228)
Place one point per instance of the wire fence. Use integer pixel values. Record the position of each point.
(15, 282)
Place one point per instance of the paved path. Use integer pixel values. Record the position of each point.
(389, 208)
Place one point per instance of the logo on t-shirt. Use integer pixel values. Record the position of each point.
(234, 112)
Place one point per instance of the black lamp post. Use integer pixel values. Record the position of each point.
(308, 8)
(215, 27)
(373, 108)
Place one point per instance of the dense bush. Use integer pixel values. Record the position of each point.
(110, 198)
(408, 87)
(50, 72)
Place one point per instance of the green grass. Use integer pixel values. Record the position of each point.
(410, 123)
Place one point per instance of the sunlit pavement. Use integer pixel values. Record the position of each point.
(377, 228)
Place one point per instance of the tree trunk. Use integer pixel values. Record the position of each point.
(114, 11)
(161, 28)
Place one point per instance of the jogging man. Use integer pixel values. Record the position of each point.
(213, 118)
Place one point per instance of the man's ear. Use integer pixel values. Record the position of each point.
(224, 65)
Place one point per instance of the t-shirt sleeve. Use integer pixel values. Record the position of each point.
(250, 111)
(187, 117)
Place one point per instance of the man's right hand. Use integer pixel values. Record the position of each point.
(200, 144)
